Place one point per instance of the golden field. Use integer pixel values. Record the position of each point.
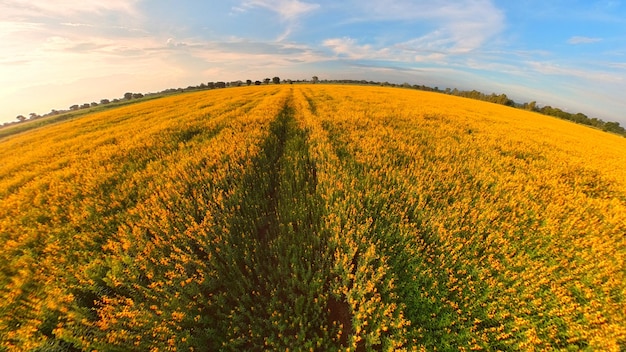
(313, 217)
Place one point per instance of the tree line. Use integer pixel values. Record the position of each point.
(502, 99)
(578, 117)
(134, 96)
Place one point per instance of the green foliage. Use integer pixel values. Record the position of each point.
(307, 218)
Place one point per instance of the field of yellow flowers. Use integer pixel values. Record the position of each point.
(313, 217)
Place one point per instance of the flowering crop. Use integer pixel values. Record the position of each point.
(313, 217)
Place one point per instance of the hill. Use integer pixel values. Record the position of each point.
(312, 217)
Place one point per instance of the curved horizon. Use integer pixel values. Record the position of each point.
(569, 55)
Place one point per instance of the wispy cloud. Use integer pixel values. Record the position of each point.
(72, 24)
(288, 10)
(446, 30)
(36, 29)
(251, 54)
(618, 65)
(458, 26)
(65, 7)
(583, 40)
(10, 27)
(350, 48)
(46, 33)
(547, 68)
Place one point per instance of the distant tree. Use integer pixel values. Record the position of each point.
(85, 106)
(267, 81)
(128, 96)
(21, 118)
(210, 85)
(248, 82)
(504, 100)
(315, 79)
(546, 110)
(614, 127)
(74, 107)
(137, 95)
(94, 104)
(276, 80)
(532, 106)
(501, 99)
(33, 116)
(105, 101)
(220, 85)
(596, 122)
(581, 118)
(257, 83)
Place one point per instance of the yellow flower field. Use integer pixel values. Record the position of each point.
(313, 217)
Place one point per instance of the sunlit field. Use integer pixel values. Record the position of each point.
(313, 217)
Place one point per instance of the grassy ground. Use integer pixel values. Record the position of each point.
(312, 217)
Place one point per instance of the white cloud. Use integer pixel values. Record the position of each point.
(460, 26)
(289, 10)
(251, 55)
(587, 74)
(29, 8)
(450, 28)
(583, 40)
(12, 27)
(444, 9)
(173, 43)
(72, 24)
(55, 43)
(618, 65)
(38, 30)
(348, 47)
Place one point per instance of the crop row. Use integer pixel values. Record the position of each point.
(316, 218)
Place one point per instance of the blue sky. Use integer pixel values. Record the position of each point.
(569, 54)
